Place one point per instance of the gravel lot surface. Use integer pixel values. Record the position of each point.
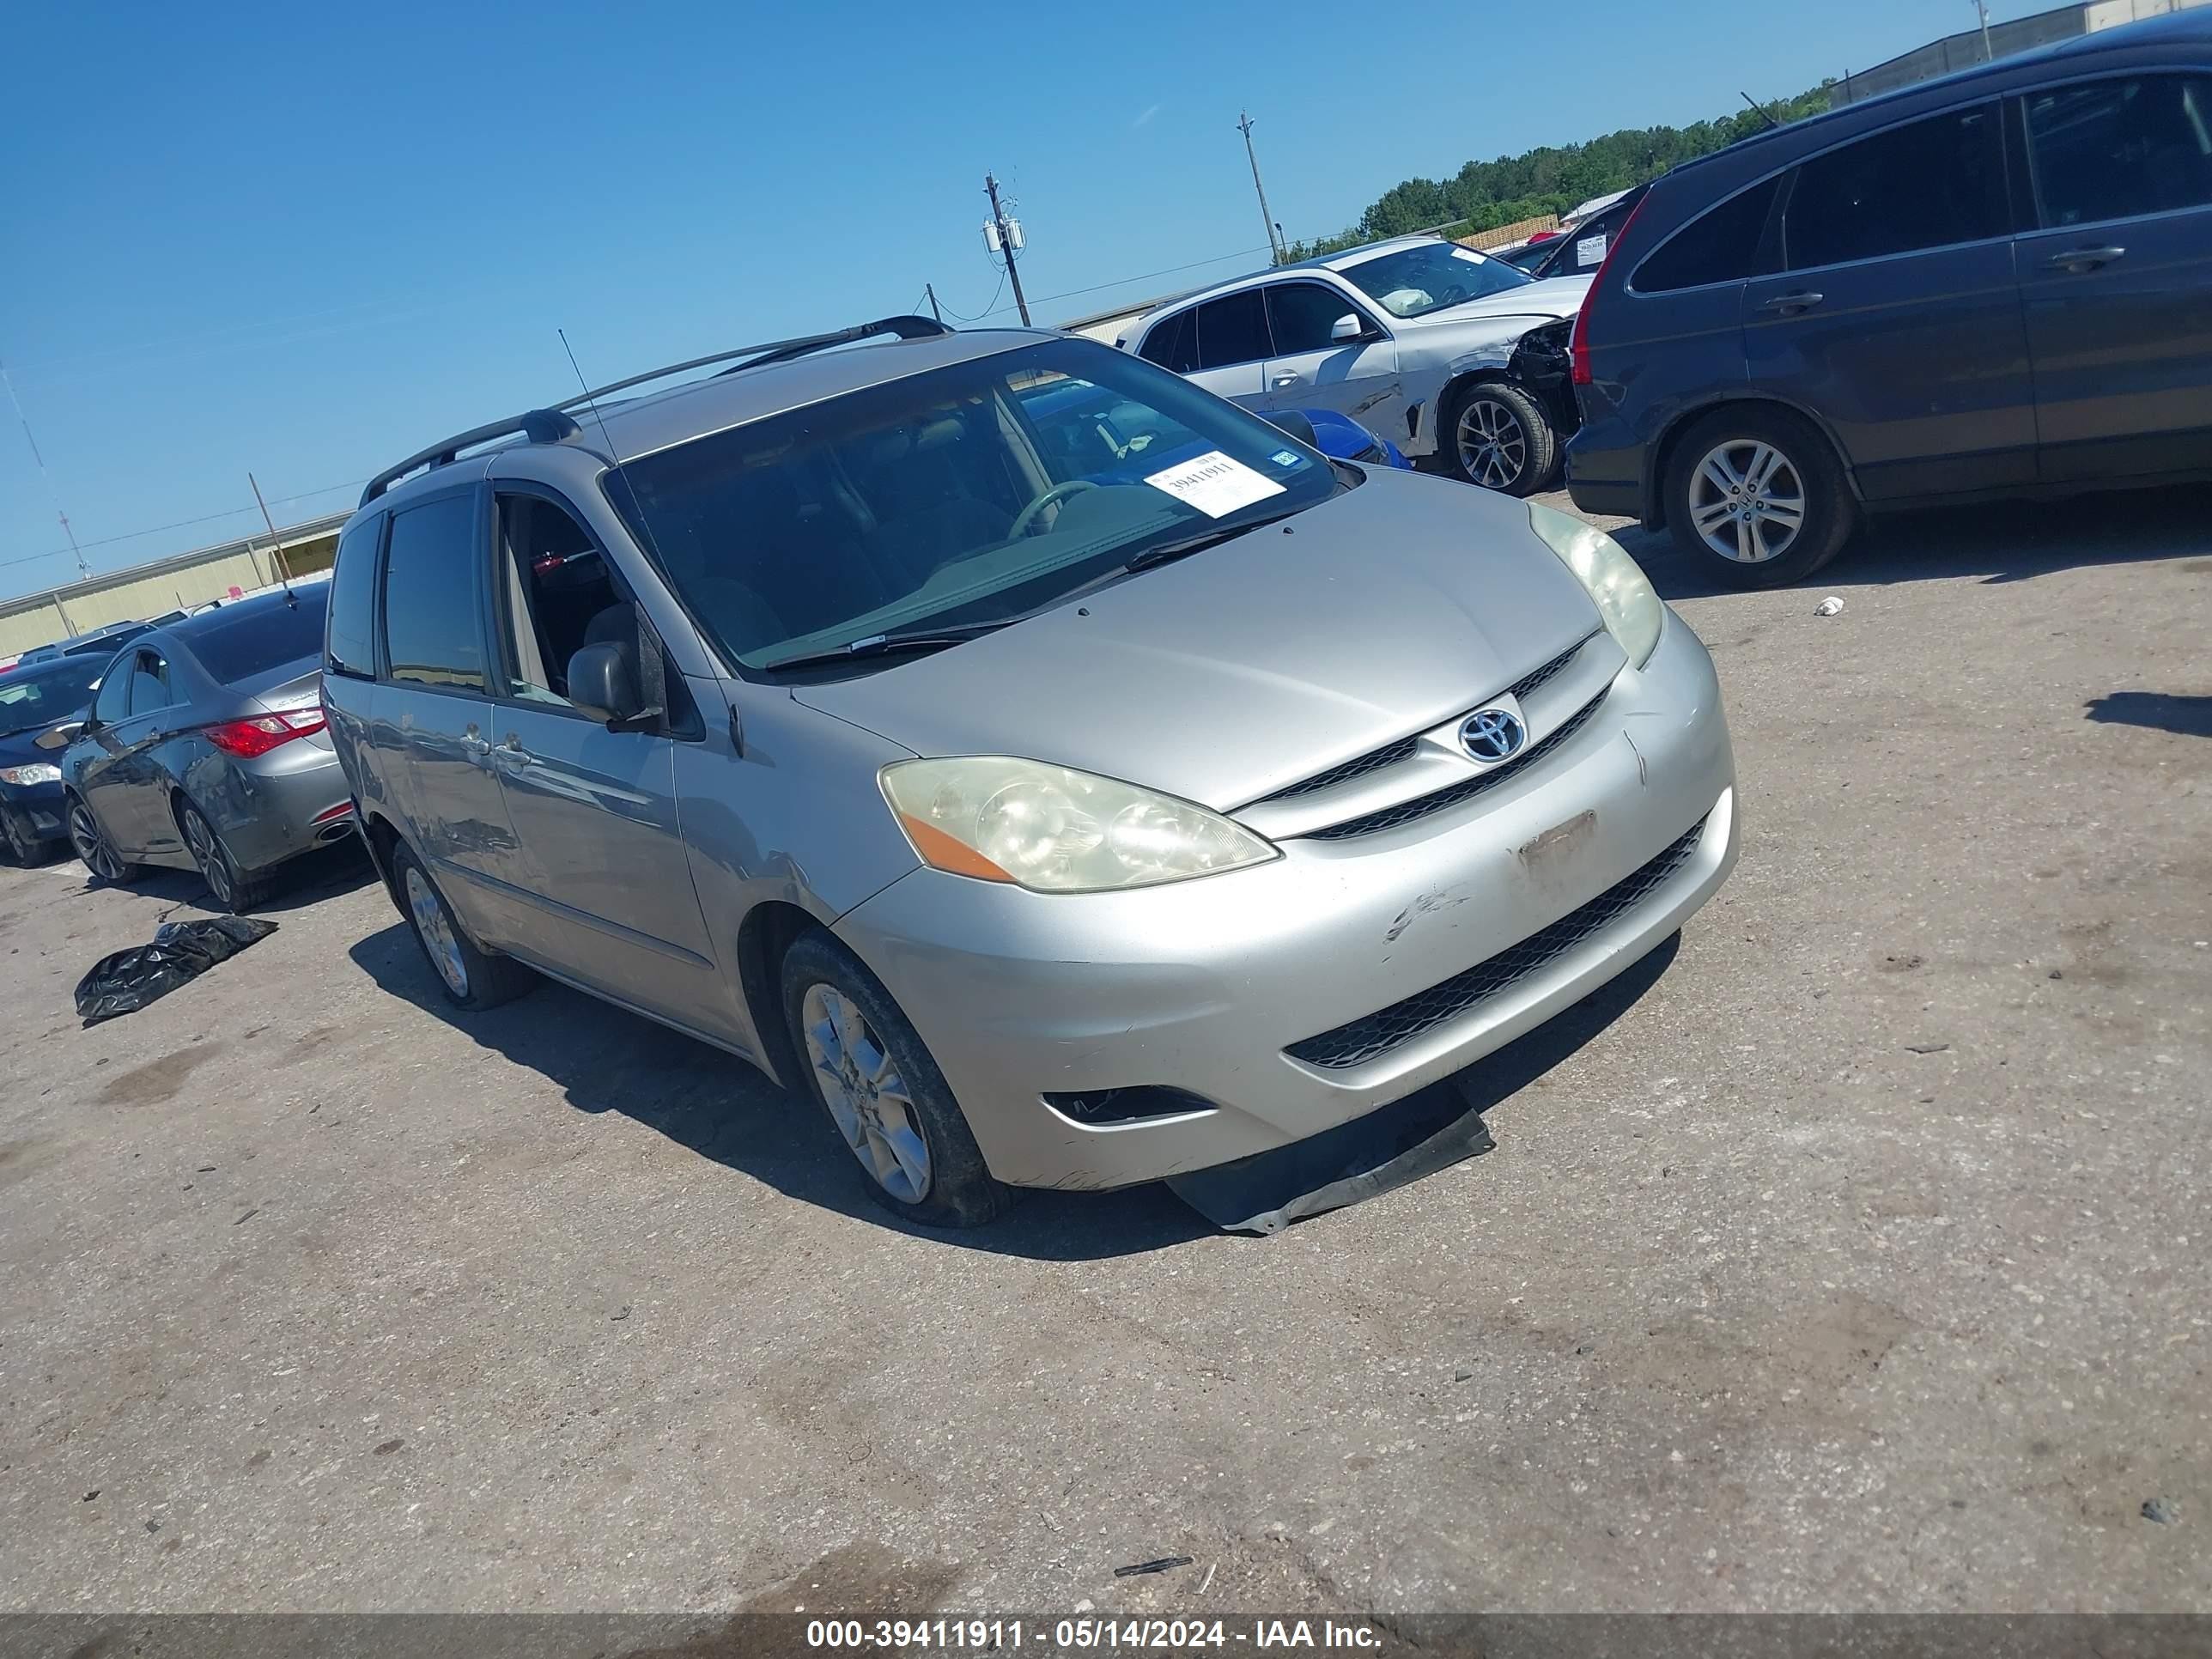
(1851, 1254)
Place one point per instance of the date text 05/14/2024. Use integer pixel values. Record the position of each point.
(1083, 1634)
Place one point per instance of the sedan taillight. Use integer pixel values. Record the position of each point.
(263, 733)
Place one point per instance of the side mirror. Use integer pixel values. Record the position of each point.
(59, 736)
(1295, 424)
(603, 681)
(1347, 328)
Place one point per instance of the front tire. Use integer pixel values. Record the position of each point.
(231, 888)
(1757, 496)
(91, 845)
(869, 1070)
(24, 847)
(470, 978)
(1497, 435)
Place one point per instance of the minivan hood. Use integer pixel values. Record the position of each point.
(1546, 301)
(1240, 670)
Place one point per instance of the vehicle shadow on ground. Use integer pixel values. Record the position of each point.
(308, 879)
(2159, 711)
(1999, 542)
(717, 1106)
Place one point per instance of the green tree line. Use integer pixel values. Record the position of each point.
(1484, 195)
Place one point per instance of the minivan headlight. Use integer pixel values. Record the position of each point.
(1624, 595)
(36, 772)
(1054, 830)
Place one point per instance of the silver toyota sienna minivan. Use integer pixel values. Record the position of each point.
(1067, 778)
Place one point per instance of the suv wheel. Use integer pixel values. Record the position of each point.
(231, 888)
(91, 845)
(867, 1067)
(471, 978)
(1497, 435)
(1758, 497)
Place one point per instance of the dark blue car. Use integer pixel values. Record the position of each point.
(32, 700)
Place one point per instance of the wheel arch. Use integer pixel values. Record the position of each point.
(769, 929)
(1670, 438)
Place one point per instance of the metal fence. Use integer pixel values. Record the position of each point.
(1967, 48)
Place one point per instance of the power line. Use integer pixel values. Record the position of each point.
(182, 524)
(985, 312)
(1123, 282)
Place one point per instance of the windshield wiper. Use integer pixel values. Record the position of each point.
(893, 644)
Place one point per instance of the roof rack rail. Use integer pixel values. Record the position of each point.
(555, 425)
(776, 351)
(540, 426)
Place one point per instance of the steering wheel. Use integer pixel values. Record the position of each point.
(1058, 493)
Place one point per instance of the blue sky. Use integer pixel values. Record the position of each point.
(303, 241)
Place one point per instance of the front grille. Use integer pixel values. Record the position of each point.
(1357, 766)
(1362, 1040)
(1406, 812)
(1404, 749)
(1525, 686)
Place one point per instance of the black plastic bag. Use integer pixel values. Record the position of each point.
(182, 950)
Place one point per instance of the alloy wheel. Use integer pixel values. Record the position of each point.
(440, 942)
(91, 846)
(867, 1097)
(207, 852)
(20, 844)
(1746, 500)
(1493, 447)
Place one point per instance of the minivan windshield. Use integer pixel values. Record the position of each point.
(951, 499)
(40, 696)
(1413, 280)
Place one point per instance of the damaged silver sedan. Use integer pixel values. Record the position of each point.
(1063, 777)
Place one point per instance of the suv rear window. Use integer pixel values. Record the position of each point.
(1927, 184)
(1173, 344)
(1723, 243)
(1232, 330)
(238, 644)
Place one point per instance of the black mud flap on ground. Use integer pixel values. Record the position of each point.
(1429, 1130)
(181, 951)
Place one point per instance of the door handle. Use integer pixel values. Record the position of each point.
(511, 756)
(1803, 300)
(1292, 377)
(2084, 258)
(474, 746)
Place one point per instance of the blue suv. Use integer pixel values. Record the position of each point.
(1993, 283)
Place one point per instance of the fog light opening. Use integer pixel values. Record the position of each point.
(1096, 1107)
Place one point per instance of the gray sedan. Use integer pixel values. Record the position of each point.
(205, 750)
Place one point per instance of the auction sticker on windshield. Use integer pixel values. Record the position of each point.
(1215, 483)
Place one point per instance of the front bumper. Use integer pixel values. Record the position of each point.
(1203, 986)
(36, 807)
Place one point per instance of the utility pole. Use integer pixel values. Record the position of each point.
(1275, 244)
(933, 311)
(1989, 53)
(1006, 233)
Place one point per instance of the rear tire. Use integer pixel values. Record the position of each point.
(1769, 491)
(1497, 435)
(91, 845)
(230, 888)
(858, 1050)
(469, 978)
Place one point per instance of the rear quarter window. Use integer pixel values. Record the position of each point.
(350, 642)
(1726, 243)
